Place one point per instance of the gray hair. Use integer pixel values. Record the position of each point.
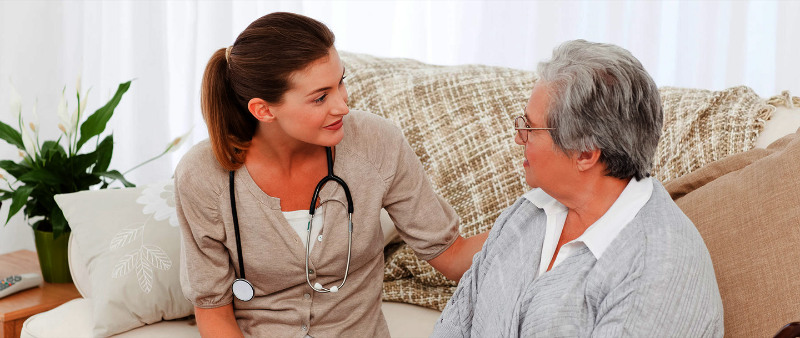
(602, 98)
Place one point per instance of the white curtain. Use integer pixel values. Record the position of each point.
(163, 47)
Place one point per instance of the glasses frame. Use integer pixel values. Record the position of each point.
(524, 135)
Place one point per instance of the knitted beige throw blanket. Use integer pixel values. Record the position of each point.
(458, 119)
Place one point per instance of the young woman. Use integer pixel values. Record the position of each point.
(282, 145)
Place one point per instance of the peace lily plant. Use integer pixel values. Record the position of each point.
(48, 168)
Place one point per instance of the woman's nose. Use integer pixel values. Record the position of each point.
(340, 107)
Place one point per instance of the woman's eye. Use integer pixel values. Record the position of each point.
(321, 99)
(342, 80)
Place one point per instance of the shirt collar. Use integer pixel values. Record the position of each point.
(542, 200)
(603, 231)
(600, 234)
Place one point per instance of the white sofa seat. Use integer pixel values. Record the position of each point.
(74, 319)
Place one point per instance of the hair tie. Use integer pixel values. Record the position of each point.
(228, 54)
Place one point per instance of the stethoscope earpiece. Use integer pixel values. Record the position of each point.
(242, 289)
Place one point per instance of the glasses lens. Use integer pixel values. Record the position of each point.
(519, 122)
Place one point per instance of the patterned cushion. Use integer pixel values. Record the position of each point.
(128, 241)
(458, 119)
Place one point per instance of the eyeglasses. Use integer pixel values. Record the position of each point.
(522, 127)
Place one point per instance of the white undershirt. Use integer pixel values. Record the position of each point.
(298, 219)
(600, 234)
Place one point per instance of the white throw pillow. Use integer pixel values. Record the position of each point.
(784, 121)
(129, 242)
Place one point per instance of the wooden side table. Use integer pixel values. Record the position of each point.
(16, 308)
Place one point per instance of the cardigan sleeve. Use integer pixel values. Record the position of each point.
(206, 272)
(424, 220)
(457, 318)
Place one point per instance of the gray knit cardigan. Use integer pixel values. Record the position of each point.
(655, 279)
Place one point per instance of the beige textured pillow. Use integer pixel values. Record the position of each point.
(458, 120)
(747, 208)
(129, 243)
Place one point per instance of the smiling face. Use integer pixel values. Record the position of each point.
(312, 111)
(544, 165)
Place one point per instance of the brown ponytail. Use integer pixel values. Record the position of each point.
(259, 65)
(229, 128)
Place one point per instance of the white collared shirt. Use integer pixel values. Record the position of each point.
(600, 234)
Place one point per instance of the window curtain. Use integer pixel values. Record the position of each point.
(163, 47)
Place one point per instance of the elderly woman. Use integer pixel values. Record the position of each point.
(597, 248)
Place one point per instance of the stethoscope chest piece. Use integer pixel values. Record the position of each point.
(243, 290)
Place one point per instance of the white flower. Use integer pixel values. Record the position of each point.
(62, 113)
(35, 124)
(27, 141)
(159, 199)
(76, 115)
(84, 100)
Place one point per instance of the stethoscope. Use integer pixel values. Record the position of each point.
(243, 289)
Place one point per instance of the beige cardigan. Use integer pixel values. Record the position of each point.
(381, 170)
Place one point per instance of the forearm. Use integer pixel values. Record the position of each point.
(217, 322)
(456, 260)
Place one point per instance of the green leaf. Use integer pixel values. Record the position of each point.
(58, 221)
(96, 123)
(40, 175)
(18, 200)
(14, 168)
(104, 152)
(11, 135)
(82, 162)
(5, 195)
(85, 181)
(115, 175)
(49, 148)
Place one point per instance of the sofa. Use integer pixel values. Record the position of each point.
(727, 157)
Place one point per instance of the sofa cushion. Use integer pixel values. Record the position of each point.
(785, 120)
(74, 319)
(746, 207)
(128, 242)
(458, 120)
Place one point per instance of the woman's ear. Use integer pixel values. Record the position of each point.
(260, 110)
(587, 159)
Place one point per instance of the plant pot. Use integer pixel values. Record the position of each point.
(53, 256)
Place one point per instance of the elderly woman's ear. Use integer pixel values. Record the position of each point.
(588, 160)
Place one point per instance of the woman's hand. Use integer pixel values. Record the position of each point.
(456, 260)
(217, 322)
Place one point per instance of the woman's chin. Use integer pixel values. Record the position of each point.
(331, 140)
(530, 181)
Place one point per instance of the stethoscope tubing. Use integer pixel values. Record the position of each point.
(242, 288)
